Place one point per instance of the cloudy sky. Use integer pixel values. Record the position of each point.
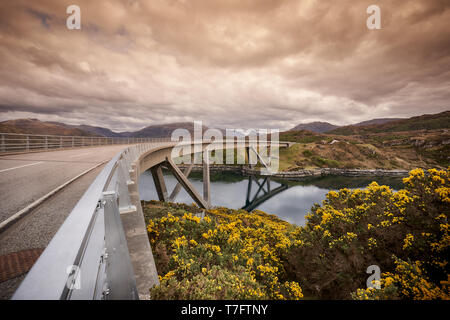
(230, 63)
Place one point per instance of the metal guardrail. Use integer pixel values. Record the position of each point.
(88, 257)
(17, 142)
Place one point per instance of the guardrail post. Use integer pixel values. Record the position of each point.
(28, 143)
(73, 142)
(3, 144)
(46, 143)
(60, 143)
(120, 282)
(124, 181)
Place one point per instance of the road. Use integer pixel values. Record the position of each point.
(27, 177)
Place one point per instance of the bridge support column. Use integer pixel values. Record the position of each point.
(160, 184)
(247, 152)
(249, 190)
(187, 185)
(177, 188)
(206, 180)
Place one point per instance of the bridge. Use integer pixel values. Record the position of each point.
(78, 198)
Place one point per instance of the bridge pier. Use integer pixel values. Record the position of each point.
(206, 179)
(247, 152)
(177, 188)
(187, 185)
(160, 184)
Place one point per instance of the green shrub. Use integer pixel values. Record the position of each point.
(307, 153)
(354, 229)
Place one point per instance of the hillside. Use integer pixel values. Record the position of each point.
(153, 131)
(316, 126)
(99, 131)
(164, 130)
(34, 126)
(424, 122)
(322, 127)
(422, 141)
(376, 121)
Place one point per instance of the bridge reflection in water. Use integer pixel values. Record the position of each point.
(263, 192)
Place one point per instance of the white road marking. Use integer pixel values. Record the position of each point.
(27, 165)
(16, 216)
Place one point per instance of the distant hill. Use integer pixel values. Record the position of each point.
(98, 131)
(316, 126)
(153, 131)
(427, 122)
(35, 126)
(424, 122)
(376, 121)
(322, 127)
(163, 130)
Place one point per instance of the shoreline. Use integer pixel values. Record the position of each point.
(305, 173)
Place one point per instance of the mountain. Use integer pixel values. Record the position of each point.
(153, 131)
(316, 126)
(322, 127)
(98, 131)
(424, 122)
(164, 130)
(35, 126)
(376, 121)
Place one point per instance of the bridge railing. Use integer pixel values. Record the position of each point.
(16, 142)
(88, 257)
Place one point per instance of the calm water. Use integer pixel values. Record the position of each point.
(290, 200)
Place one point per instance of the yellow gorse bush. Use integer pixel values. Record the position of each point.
(233, 254)
(354, 229)
(225, 245)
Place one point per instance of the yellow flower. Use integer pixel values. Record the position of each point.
(407, 242)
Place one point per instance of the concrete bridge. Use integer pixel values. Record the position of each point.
(81, 203)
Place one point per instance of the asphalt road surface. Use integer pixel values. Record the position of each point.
(25, 178)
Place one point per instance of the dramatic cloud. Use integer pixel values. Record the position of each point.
(230, 63)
